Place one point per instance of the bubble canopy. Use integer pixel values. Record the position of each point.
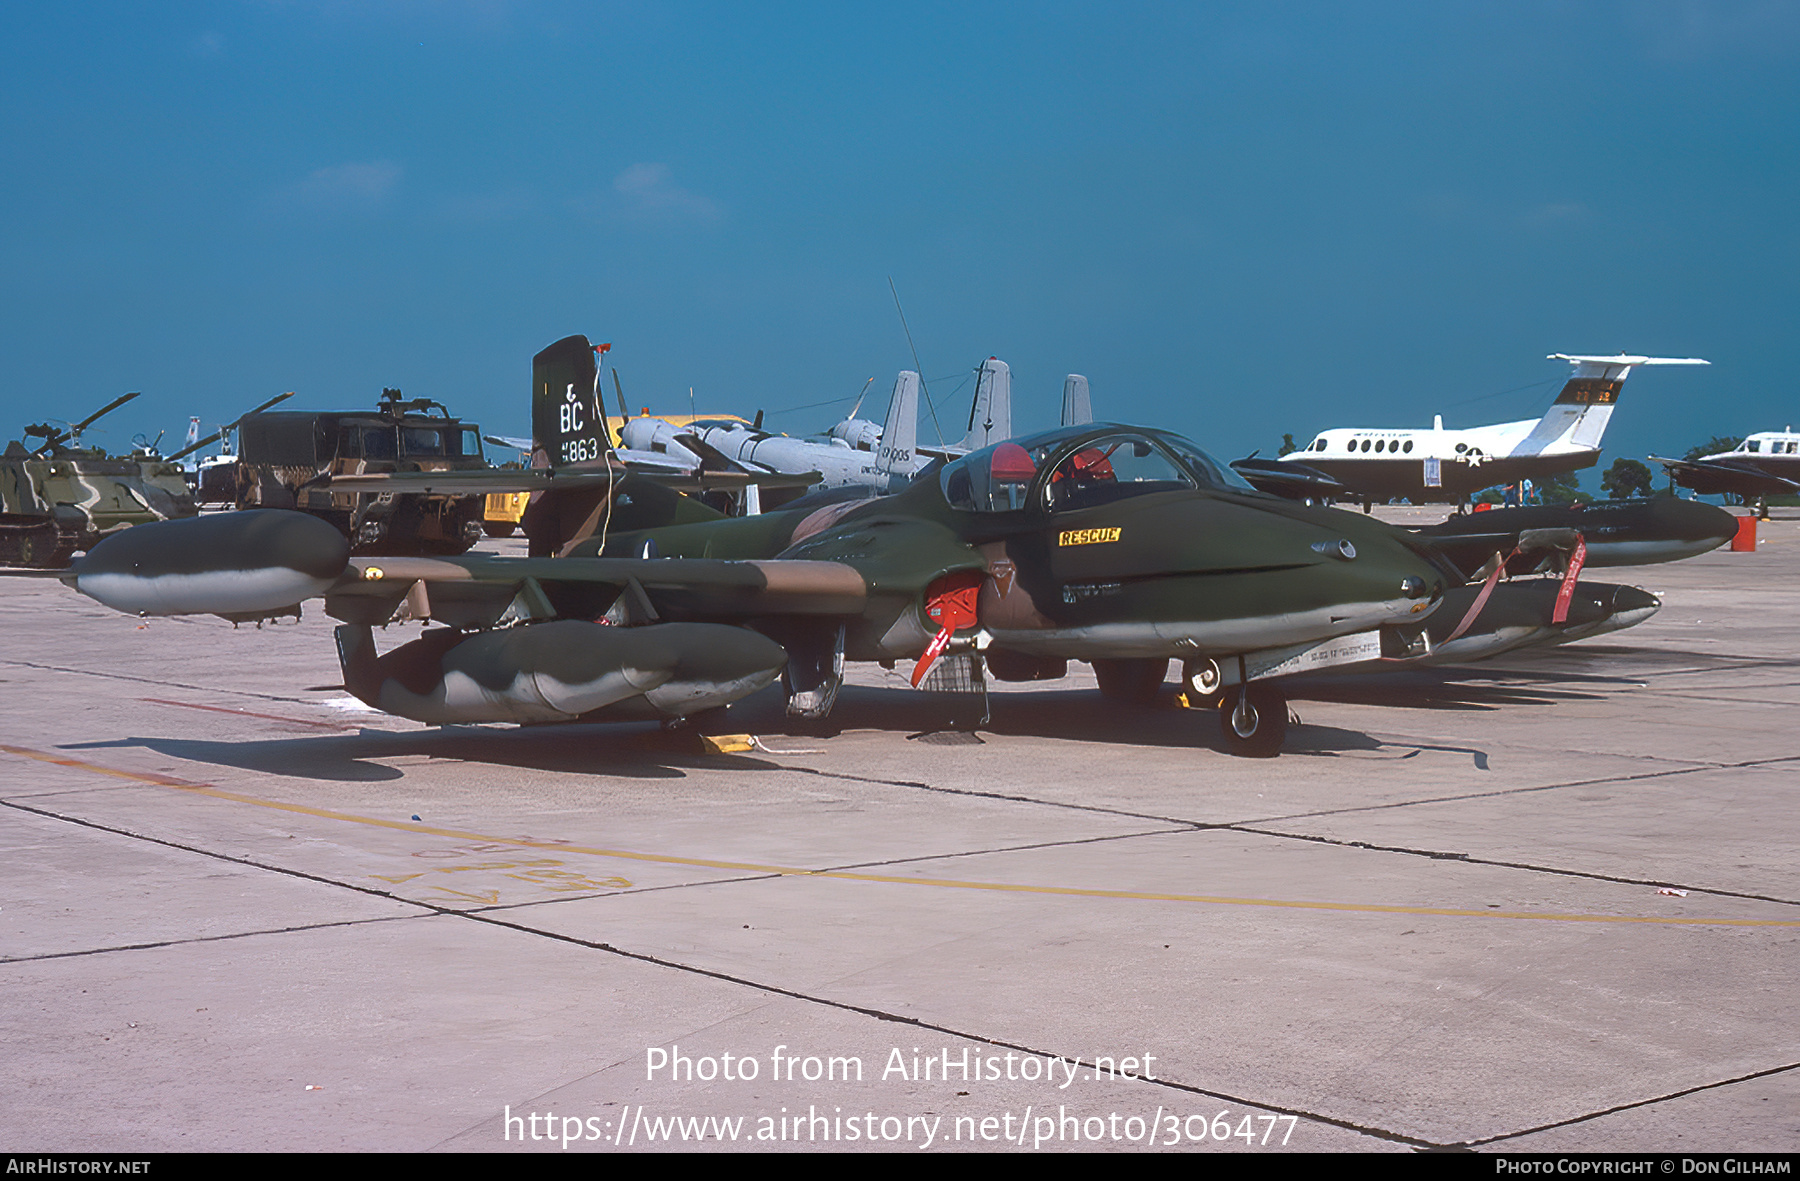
(1082, 467)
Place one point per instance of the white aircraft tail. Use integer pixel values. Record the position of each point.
(900, 431)
(990, 415)
(1078, 410)
(1579, 416)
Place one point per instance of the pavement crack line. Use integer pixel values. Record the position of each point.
(1250, 826)
(195, 849)
(1594, 1115)
(950, 1031)
(1470, 859)
(1516, 791)
(993, 795)
(834, 869)
(776, 990)
(676, 965)
(298, 927)
(111, 676)
(1068, 891)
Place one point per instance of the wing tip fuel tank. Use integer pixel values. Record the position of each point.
(258, 560)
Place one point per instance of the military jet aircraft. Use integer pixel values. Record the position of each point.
(1449, 466)
(1103, 543)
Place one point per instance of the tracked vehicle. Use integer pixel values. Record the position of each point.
(58, 497)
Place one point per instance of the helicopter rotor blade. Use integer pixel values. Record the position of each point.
(220, 434)
(76, 429)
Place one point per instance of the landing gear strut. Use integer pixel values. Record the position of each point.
(814, 672)
(1255, 720)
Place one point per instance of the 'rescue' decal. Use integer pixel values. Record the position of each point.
(1086, 536)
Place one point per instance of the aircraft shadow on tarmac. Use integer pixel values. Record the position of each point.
(638, 751)
(608, 751)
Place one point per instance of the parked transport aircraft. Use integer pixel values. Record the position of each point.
(1450, 466)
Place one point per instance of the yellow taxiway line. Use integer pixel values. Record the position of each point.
(202, 789)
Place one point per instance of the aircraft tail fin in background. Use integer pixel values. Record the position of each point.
(900, 432)
(990, 416)
(567, 422)
(1077, 409)
(1579, 416)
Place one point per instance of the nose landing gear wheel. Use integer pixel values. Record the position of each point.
(1255, 720)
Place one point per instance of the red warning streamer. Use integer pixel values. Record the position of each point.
(1482, 598)
(950, 602)
(1576, 561)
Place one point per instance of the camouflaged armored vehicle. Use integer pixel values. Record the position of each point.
(285, 458)
(57, 497)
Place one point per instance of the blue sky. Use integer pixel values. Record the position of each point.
(1237, 219)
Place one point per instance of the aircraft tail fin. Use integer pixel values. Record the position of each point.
(568, 424)
(1579, 416)
(900, 431)
(1077, 409)
(990, 415)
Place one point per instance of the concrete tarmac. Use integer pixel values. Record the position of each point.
(1546, 903)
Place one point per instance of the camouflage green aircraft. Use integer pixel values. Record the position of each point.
(1122, 547)
(57, 497)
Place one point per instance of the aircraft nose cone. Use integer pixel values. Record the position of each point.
(1388, 570)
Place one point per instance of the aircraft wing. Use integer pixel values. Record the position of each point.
(1718, 475)
(1293, 480)
(714, 460)
(253, 564)
(480, 591)
(480, 481)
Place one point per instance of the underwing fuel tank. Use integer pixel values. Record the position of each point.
(560, 671)
(240, 565)
(1521, 613)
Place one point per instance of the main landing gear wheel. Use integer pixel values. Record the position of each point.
(1255, 720)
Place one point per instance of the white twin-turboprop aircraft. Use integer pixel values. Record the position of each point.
(1450, 466)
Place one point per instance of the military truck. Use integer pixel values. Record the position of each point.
(285, 457)
(58, 497)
